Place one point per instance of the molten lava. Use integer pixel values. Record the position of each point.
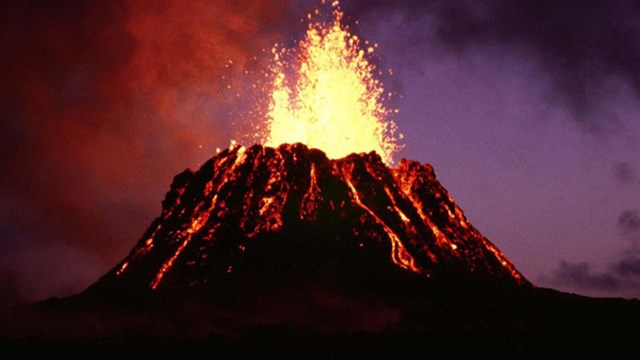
(325, 95)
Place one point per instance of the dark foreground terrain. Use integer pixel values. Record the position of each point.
(472, 321)
(282, 252)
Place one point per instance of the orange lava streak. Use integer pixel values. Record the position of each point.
(167, 265)
(403, 216)
(410, 226)
(313, 181)
(309, 204)
(458, 213)
(440, 237)
(148, 244)
(325, 95)
(273, 205)
(503, 260)
(399, 254)
(122, 268)
(196, 225)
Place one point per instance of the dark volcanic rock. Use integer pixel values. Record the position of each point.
(266, 217)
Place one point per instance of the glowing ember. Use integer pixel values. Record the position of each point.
(122, 268)
(325, 95)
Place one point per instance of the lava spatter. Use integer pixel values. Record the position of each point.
(325, 94)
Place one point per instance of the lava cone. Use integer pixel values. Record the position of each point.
(289, 215)
(263, 248)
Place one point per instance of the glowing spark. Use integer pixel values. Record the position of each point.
(329, 98)
(122, 268)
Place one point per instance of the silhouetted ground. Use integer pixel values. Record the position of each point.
(284, 253)
(437, 322)
(292, 344)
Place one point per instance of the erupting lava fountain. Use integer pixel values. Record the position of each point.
(325, 95)
(321, 185)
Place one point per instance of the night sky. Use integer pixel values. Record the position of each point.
(528, 110)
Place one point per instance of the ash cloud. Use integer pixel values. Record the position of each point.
(625, 173)
(581, 276)
(629, 224)
(628, 267)
(101, 103)
(583, 47)
(621, 276)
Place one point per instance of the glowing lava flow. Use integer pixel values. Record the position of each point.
(277, 206)
(329, 98)
(310, 201)
(196, 225)
(399, 254)
(197, 222)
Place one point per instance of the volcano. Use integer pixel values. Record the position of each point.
(291, 215)
(285, 252)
